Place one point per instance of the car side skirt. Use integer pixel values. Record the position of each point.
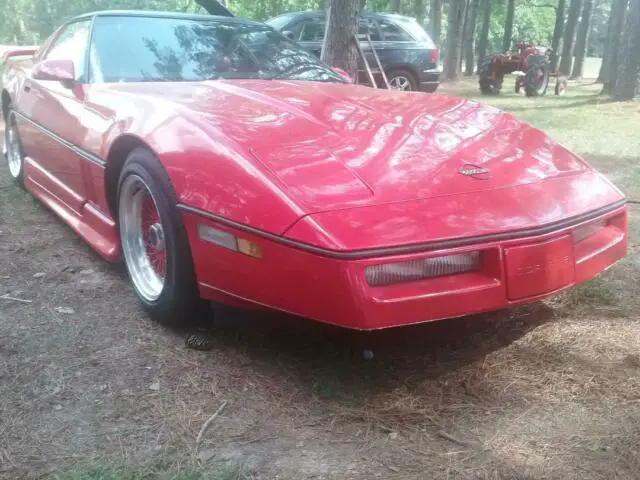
(82, 216)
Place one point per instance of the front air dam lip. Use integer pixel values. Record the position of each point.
(412, 248)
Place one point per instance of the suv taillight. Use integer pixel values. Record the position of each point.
(434, 55)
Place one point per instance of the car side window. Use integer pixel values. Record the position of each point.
(368, 26)
(312, 31)
(71, 44)
(393, 33)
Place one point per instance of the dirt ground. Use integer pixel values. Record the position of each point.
(548, 391)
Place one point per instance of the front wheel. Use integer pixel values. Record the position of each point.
(13, 150)
(154, 242)
(561, 86)
(536, 79)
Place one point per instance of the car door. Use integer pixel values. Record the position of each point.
(53, 110)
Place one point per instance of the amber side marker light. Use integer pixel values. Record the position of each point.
(229, 241)
(414, 270)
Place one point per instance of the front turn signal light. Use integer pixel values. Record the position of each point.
(229, 241)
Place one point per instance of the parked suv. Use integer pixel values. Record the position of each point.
(407, 53)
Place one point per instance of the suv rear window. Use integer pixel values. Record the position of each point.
(393, 33)
(418, 32)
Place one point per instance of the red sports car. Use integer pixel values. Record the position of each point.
(223, 162)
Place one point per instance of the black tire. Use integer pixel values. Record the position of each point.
(517, 87)
(488, 84)
(403, 73)
(536, 80)
(561, 86)
(10, 123)
(179, 303)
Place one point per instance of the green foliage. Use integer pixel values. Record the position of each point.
(31, 21)
(533, 23)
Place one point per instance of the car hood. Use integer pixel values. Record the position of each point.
(333, 146)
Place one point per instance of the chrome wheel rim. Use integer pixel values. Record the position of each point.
(400, 82)
(12, 146)
(142, 237)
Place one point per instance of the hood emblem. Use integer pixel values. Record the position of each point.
(474, 171)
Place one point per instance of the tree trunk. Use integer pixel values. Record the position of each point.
(339, 49)
(436, 20)
(419, 11)
(605, 52)
(470, 37)
(395, 6)
(508, 26)
(557, 34)
(484, 31)
(618, 10)
(629, 67)
(453, 49)
(582, 40)
(569, 33)
(464, 32)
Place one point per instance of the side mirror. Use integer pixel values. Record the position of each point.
(55, 70)
(288, 34)
(345, 76)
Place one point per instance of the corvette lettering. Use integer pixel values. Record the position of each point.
(535, 268)
(475, 172)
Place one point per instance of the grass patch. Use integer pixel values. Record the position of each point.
(151, 473)
(594, 293)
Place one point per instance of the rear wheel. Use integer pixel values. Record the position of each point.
(403, 80)
(488, 84)
(536, 79)
(13, 149)
(154, 242)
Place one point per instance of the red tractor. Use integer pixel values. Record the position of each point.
(531, 64)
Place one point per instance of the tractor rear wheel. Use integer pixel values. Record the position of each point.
(536, 80)
(489, 85)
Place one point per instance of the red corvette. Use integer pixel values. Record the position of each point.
(223, 162)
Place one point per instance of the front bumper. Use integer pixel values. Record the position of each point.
(334, 290)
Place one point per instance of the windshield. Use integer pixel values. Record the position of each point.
(155, 49)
